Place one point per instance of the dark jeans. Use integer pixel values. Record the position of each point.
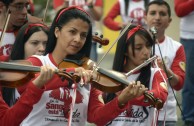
(189, 123)
(188, 88)
(167, 123)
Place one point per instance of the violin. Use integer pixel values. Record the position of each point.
(15, 74)
(110, 81)
(99, 38)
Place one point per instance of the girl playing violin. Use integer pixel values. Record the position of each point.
(135, 47)
(70, 37)
(31, 40)
(28, 42)
(14, 115)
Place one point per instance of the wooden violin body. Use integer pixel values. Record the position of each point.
(102, 82)
(17, 73)
(108, 81)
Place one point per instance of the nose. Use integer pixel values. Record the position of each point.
(77, 38)
(157, 16)
(24, 9)
(147, 52)
(41, 48)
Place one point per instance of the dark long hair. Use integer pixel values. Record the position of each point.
(22, 37)
(120, 58)
(63, 17)
(18, 53)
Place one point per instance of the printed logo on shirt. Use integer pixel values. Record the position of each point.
(164, 85)
(6, 49)
(182, 66)
(100, 99)
(135, 114)
(60, 105)
(138, 15)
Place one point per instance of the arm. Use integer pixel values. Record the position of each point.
(16, 114)
(159, 90)
(109, 19)
(100, 113)
(183, 7)
(96, 9)
(58, 4)
(178, 69)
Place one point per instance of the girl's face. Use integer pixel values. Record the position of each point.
(142, 51)
(72, 36)
(36, 44)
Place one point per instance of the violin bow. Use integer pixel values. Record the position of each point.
(5, 26)
(46, 8)
(121, 34)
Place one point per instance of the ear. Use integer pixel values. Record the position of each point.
(57, 32)
(169, 21)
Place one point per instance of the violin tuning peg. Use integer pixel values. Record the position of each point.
(96, 33)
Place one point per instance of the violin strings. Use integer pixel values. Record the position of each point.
(121, 34)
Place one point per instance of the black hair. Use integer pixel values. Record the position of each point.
(7, 2)
(18, 54)
(22, 37)
(61, 19)
(120, 57)
(159, 2)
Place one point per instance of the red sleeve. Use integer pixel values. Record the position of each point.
(157, 89)
(112, 14)
(99, 3)
(183, 7)
(57, 3)
(16, 114)
(4, 58)
(177, 69)
(100, 113)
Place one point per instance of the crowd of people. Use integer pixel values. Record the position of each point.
(73, 95)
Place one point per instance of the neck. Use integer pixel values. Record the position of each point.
(58, 56)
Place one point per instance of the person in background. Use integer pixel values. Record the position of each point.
(13, 116)
(185, 10)
(129, 10)
(158, 15)
(18, 18)
(133, 49)
(31, 40)
(93, 7)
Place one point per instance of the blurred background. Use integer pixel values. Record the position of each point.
(172, 31)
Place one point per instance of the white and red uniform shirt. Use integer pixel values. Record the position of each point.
(13, 116)
(7, 43)
(135, 12)
(135, 114)
(184, 9)
(174, 57)
(54, 105)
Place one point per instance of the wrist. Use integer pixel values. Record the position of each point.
(120, 103)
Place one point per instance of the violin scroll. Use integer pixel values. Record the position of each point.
(99, 38)
(155, 102)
